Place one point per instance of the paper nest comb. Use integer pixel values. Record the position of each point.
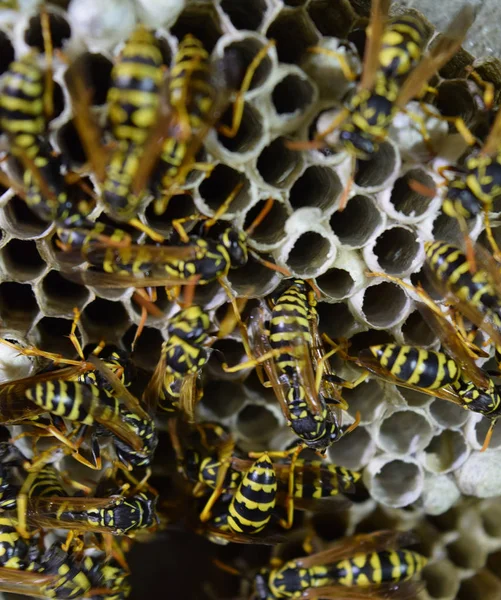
(417, 452)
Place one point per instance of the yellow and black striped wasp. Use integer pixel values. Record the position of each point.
(354, 568)
(450, 374)
(291, 351)
(174, 384)
(394, 72)
(477, 295)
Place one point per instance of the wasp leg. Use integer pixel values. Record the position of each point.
(48, 102)
(348, 72)
(238, 105)
(154, 235)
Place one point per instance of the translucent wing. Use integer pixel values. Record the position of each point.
(359, 544)
(407, 590)
(448, 44)
(25, 583)
(153, 389)
(379, 16)
(126, 280)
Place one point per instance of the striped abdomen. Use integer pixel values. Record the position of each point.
(401, 46)
(378, 567)
(134, 94)
(47, 484)
(451, 267)
(316, 479)
(191, 90)
(68, 399)
(21, 102)
(290, 322)
(251, 508)
(415, 366)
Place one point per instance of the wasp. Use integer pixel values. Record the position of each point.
(110, 576)
(173, 385)
(286, 350)
(395, 70)
(452, 375)
(476, 295)
(362, 566)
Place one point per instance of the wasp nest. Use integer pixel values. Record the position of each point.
(416, 451)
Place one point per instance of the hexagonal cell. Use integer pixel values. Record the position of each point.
(335, 319)
(21, 221)
(179, 206)
(292, 94)
(406, 201)
(482, 586)
(60, 296)
(238, 56)
(394, 482)
(374, 173)
(454, 99)
(353, 450)
(384, 304)
(21, 260)
(416, 331)
(441, 579)
(216, 188)
(422, 278)
(317, 187)
(491, 521)
(245, 15)
(223, 398)
(104, 319)
(18, 305)
(481, 429)
(147, 349)
(310, 252)
(52, 335)
(271, 231)
(447, 414)
(229, 351)
(255, 280)
(276, 164)
(162, 302)
(256, 422)
(367, 399)
(202, 21)
(358, 222)
(332, 19)
(294, 33)
(60, 32)
(6, 52)
(404, 432)
(446, 452)
(395, 251)
(336, 283)
(95, 69)
(250, 130)
(467, 552)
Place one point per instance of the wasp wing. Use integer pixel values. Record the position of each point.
(407, 590)
(374, 32)
(446, 47)
(359, 544)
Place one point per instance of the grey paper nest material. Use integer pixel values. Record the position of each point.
(416, 452)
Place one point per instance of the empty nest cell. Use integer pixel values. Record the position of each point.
(222, 181)
(446, 452)
(147, 348)
(200, 20)
(21, 260)
(358, 222)
(394, 482)
(238, 56)
(335, 319)
(179, 207)
(441, 579)
(18, 305)
(404, 432)
(21, 221)
(223, 398)
(256, 422)
(309, 253)
(60, 32)
(245, 15)
(383, 304)
(52, 334)
(58, 296)
(256, 280)
(292, 94)
(105, 319)
(375, 174)
(6, 52)
(416, 331)
(271, 231)
(318, 187)
(336, 283)
(95, 69)
(332, 19)
(277, 165)
(249, 134)
(294, 33)
(447, 414)
(409, 204)
(395, 251)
